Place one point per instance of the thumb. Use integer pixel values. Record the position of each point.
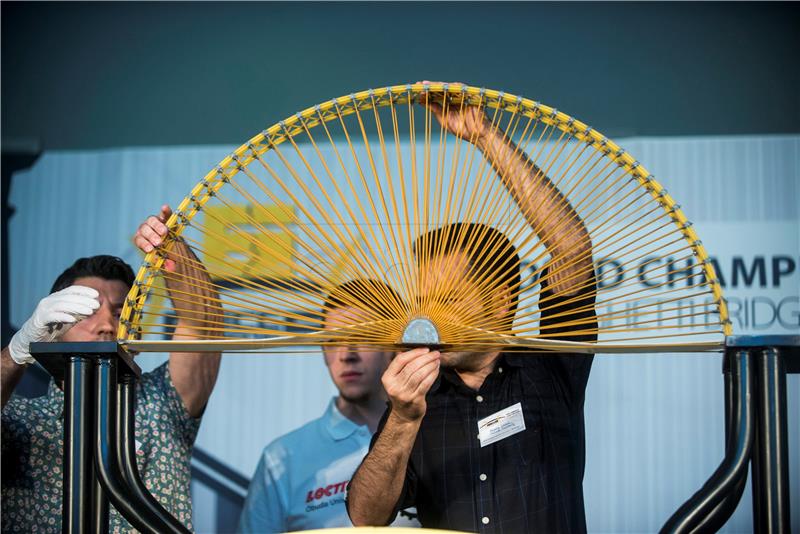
(166, 213)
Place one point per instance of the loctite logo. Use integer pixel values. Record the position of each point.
(326, 491)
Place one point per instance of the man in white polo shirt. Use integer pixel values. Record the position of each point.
(301, 479)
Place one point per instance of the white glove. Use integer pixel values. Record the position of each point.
(54, 315)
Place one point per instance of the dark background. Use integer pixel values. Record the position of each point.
(88, 75)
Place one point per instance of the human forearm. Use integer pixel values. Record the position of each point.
(547, 211)
(195, 300)
(197, 307)
(10, 374)
(377, 485)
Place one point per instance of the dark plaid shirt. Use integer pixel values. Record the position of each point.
(531, 481)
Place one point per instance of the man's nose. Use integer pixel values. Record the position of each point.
(349, 353)
(107, 322)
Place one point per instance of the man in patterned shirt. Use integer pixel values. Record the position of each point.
(84, 305)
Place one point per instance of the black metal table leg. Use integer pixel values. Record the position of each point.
(126, 452)
(770, 466)
(108, 469)
(78, 513)
(110, 449)
(771, 358)
(99, 448)
(700, 507)
(724, 510)
(100, 507)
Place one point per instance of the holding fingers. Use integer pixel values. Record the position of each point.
(408, 379)
(463, 120)
(152, 232)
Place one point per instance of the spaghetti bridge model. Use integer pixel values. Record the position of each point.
(351, 190)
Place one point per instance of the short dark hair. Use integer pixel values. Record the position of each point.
(102, 266)
(362, 293)
(489, 253)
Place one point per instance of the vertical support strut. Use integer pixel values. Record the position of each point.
(126, 452)
(728, 475)
(756, 432)
(714, 521)
(100, 508)
(125, 497)
(79, 477)
(770, 466)
(99, 428)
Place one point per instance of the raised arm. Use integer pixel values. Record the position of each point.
(547, 211)
(196, 304)
(376, 487)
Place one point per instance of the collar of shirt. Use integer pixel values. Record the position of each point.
(504, 361)
(55, 399)
(337, 425)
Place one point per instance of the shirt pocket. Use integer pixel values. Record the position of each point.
(528, 445)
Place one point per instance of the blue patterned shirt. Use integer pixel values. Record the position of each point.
(33, 444)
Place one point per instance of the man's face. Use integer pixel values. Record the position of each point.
(102, 325)
(447, 284)
(356, 371)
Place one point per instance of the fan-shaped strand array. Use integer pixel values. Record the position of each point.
(342, 192)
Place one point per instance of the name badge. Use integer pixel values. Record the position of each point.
(500, 425)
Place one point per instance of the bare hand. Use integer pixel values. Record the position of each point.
(151, 234)
(465, 121)
(408, 379)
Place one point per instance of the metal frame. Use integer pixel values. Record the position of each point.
(99, 450)
(755, 370)
(99, 386)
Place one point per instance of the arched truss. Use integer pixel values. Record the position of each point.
(342, 191)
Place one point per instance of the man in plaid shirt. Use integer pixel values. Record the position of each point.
(490, 441)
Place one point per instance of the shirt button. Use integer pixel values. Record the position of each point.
(499, 369)
(482, 477)
(485, 520)
(479, 398)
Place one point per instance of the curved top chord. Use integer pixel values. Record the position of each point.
(500, 221)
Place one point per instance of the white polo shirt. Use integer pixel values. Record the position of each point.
(302, 477)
